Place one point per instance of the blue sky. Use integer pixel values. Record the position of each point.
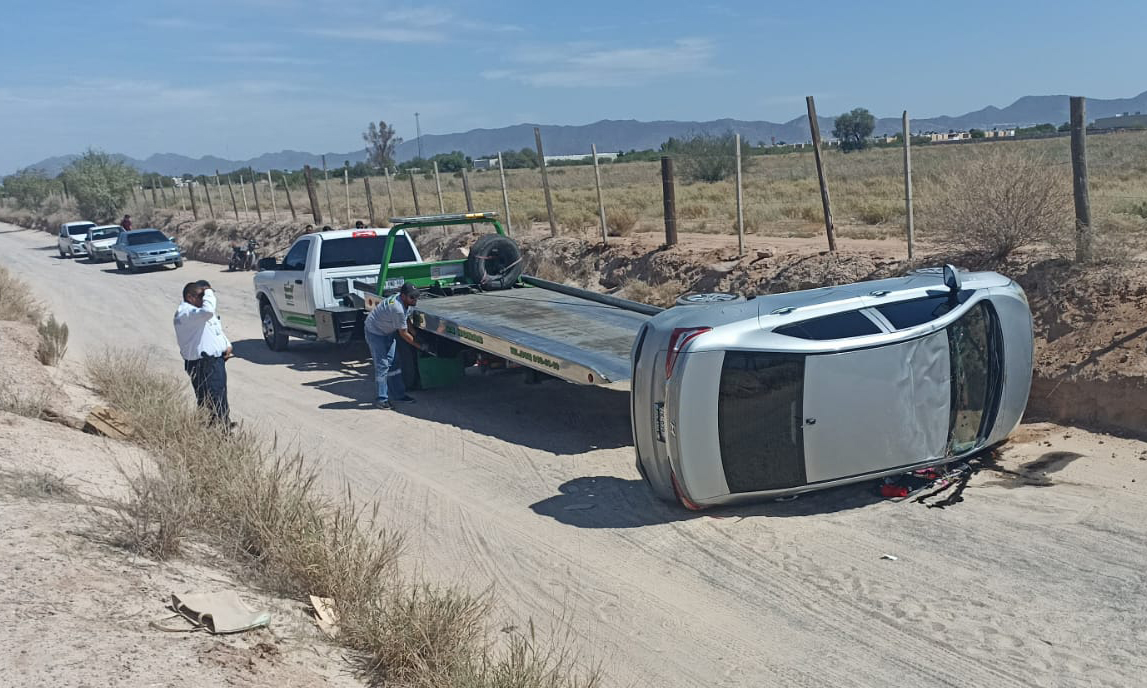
(237, 78)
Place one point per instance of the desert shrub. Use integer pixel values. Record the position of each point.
(1002, 200)
(621, 222)
(692, 211)
(16, 301)
(804, 211)
(1138, 209)
(704, 158)
(100, 184)
(211, 226)
(876, 213)
(53, 341)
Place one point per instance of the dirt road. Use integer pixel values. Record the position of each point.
(1036, 578)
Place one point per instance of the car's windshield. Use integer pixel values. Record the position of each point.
(972, 352)
(355, 251)
(103, 233)
(141, 238)
(79, 230)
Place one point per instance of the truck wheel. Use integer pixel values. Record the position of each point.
(707, 298)
(495, 262)
(273, 332)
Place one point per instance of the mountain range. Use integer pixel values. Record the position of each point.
(618, 135)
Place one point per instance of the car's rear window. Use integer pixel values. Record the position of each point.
(760, 418)
(355, 251)
(141, 238)
(905, 314)
(104, 233)
(835, 326)
(79, 229)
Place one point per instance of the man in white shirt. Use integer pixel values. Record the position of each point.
(385, 324)
(204, 348)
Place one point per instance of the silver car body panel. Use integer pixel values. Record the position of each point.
(879, 404)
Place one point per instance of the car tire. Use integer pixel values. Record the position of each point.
(178, 264)
(495, 262)
(62, 254)
(706, 298)
(132, 267)
(273, 333)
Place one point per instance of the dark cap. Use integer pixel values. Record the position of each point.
(410, 290)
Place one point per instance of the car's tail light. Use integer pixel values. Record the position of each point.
(678, 340)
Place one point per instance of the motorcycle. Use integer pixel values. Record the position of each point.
(243, 257)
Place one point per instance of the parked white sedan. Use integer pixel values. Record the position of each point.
(70, 241)
(98, 243)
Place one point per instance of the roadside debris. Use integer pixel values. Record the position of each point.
(325, 617)
(215, 612)
(108, 422)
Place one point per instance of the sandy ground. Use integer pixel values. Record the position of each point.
(1036, 578)
(77, 611)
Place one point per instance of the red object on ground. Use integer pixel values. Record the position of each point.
(893, 491)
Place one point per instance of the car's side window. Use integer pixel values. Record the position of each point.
(972, 348)
(905, 314)
(835, 326)
(297, 257)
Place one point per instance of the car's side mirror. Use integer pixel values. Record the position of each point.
(267, 264)
(952, 278)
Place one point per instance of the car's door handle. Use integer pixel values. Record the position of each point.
(810, 421)
(298, 281)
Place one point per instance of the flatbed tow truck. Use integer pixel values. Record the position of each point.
(485, 304)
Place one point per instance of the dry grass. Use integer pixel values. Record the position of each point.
(21, 404)
(37, 485)
(262, 505)
(664, 295)
(53, 341)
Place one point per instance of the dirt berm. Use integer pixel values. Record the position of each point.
(1090, 363)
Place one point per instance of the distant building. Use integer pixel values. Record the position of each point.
(584, 156)
(486, 164)
(1124, 121)
(999, 133)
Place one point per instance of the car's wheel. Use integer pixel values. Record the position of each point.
(708, 297)
(132, 267)
(273, 332)
(178, 264)
(119, 265)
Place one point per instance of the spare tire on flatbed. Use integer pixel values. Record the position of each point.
(495, 262)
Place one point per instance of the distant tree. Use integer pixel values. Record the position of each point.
(454, 161)
(705, 158)
(100, 184)
(1037, 130)
(853, 129)
(526, 157)
(380, 144)
(1066, 126)
(29, 187)
(976, 133)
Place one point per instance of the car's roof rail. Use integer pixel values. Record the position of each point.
(448, 217)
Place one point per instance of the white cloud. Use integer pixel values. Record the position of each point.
(384, 35)
(583, 66)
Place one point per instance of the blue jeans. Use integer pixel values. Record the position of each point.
(387, 372)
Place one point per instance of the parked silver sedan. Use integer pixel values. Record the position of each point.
(788, 393)
(99, 241)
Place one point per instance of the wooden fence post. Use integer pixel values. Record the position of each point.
(814, 126)
(243, 193)
(231, 190)
(346, 187)
(670, 200)
(290, 203)
(194, 206)
(910, 228)
(505, 193)
(327, 186)
(740, 201)
(545, 183)
(414, 192)
(1083, 231)
(271, 190)
(255, 194)
(218, 190)
(389, 192)
(369, 202)
(154, 196)
(207, 195)
(316, 212)
(438, 187)
(469, 198)
(600, 200)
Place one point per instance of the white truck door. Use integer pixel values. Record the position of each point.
(291, 288)
(876, 409)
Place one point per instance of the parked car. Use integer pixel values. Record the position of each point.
(145, 248)
(99, 240)
(788, 393)
(70, 238)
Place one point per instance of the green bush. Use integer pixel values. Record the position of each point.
(29, 188)
(100, 184)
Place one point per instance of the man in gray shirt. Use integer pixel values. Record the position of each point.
(385, 324)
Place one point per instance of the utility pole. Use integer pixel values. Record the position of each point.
(1083, 233)
(418, 132)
